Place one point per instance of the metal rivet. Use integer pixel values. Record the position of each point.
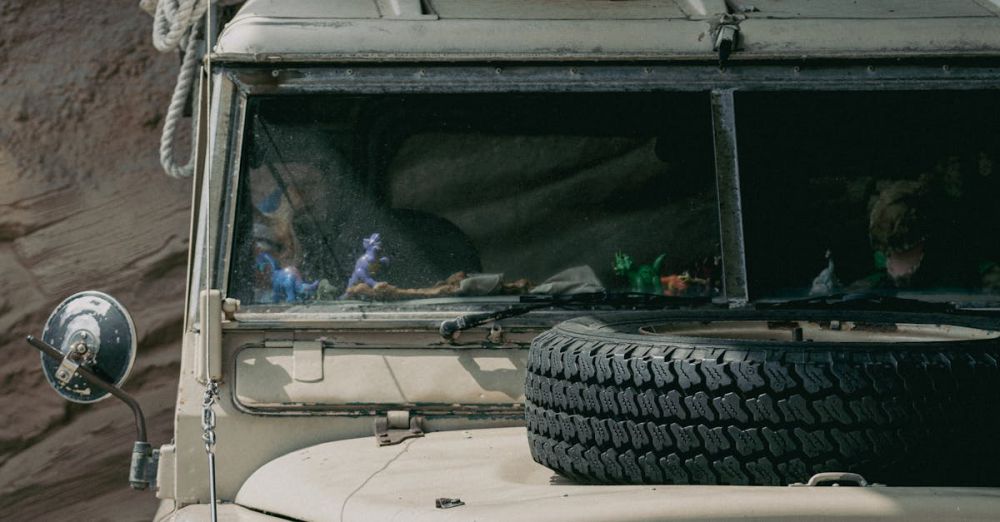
(871, 68)
(275, 73)
(797, 69)
(350, 72)
(498, 70)
(946, 67)
(647, 70)
(573, 70)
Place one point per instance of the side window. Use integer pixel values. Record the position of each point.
(888, 192)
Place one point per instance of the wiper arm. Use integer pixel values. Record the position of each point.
(862, 301)
(637, 300)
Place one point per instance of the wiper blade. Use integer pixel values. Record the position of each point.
(861, 301)
(636, 300)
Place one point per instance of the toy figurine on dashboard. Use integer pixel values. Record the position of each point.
(368, 264)
(286, 283)
(642, 278)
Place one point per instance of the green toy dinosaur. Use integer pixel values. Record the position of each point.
(642, 278)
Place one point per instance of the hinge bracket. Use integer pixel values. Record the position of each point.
(396, 426)
(726, 35)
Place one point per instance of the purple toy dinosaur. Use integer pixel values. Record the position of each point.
(368, 263)
(286, 283)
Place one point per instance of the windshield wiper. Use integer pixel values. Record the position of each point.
(861, 301)
(635, 300)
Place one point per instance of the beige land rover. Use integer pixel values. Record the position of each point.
(581, 260)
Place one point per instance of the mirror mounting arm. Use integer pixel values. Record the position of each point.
(142, 472)
(82, 371)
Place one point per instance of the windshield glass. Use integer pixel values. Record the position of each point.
(890, 193)
(397, 198)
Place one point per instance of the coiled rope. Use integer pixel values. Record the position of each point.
(176, 25)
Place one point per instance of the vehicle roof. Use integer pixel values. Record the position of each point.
(521, 30)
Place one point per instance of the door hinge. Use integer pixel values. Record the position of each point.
(396, 426)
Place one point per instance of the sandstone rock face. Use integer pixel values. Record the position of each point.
(84, 205)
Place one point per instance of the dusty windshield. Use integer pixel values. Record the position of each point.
(888, 193)
(404, 199)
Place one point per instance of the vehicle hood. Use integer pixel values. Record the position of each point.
(492, 472)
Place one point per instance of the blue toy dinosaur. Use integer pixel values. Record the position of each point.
(368, 264)
(286, 283)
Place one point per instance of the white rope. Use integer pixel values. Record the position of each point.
(173, 20)
(175, 111)
(175, 24)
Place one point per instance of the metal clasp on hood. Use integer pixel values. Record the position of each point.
(725, 32)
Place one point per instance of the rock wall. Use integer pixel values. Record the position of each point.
(83, 205)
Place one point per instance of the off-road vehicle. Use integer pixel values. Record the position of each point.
(581, 260)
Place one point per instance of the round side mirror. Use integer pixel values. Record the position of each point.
(93, 330)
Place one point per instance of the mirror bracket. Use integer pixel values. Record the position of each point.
(80, 352)
(93, 379)
(67, 369)
(145, 461)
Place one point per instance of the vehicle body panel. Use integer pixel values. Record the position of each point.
(268, 379)
(357, 31)
(168, 512)
(491, 471)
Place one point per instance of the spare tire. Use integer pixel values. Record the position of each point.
(767, 398)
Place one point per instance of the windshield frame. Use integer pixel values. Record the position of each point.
(239, 83)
